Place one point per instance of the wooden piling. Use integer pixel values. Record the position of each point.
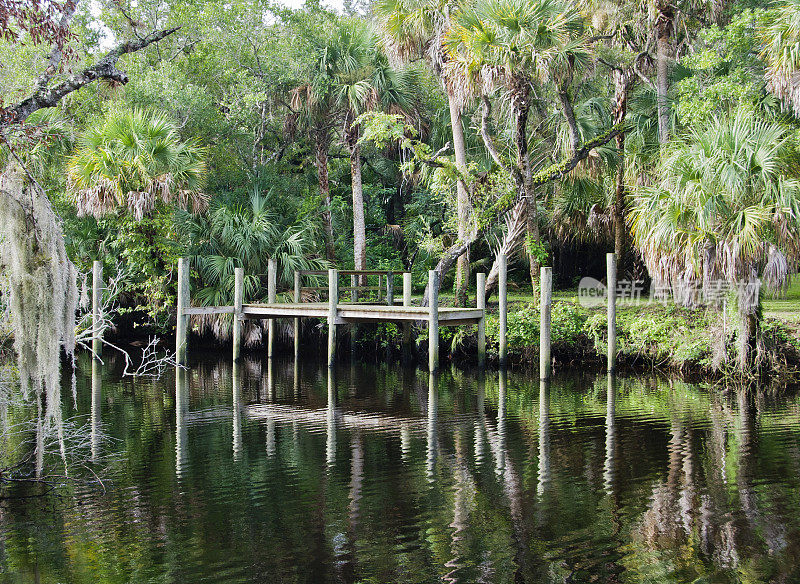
(481, 303)
(611, 279)
(502, 300)
(182, 323)
(238, 300)
(272, 282)
(545, 305)
(433, 321)
(333, 301)
(407, 325)
(97, 307)
(390, 289)
(296, 320)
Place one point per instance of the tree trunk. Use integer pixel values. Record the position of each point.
(463, 207)
(664, 25)
(516, 228)
(532, 237)
(622, 80)
(321, 145)
(359, 230)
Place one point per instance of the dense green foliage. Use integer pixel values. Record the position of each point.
(325, 137)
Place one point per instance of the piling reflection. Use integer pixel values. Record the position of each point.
(270, 423)
(330, 421)
(97, 391)
(500, 457)
(236, 386)
(544, 437)
(181, 426)
(611, 435)
(432, 417)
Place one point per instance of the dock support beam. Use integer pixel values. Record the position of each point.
(238, 300)
(272, 277)
(502, 301)
(611, 279)
(481, 304)
(545, 305)
(182, 323)
(333, 301)
(97, 306)
(390, 289)
(433, 321)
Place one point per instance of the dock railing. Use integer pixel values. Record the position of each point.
(359, 289)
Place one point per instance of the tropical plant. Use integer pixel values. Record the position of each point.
(244, 234)
(727, 206)
(133, 159)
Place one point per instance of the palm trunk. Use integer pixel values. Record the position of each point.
(749, 309)
(664, 24)
(359, 230)
(621, 86)
(321, 147)
(460, 149)
(521, 107)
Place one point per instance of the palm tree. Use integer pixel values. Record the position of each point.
(132, 160)
(511, 44)
(416, 28)
(727, 207)
(781, 38)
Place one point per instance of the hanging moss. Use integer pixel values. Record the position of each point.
(41, 284)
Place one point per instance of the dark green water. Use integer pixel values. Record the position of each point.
(381, 474)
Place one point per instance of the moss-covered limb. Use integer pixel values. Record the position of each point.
(560, 169)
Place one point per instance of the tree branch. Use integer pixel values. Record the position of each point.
(56, 54)
(106, 68)
(486, 112)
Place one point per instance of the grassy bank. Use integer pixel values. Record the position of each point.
(650, 335)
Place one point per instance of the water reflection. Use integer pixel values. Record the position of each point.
(330, 421)
(611, 439)
(387, 474)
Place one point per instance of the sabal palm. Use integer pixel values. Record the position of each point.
(727, 206)
(132, 160)
(781, 38)
(361, 79)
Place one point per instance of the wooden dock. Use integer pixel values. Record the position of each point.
(337, 313)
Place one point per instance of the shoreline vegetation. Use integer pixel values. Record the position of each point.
(651, 336)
